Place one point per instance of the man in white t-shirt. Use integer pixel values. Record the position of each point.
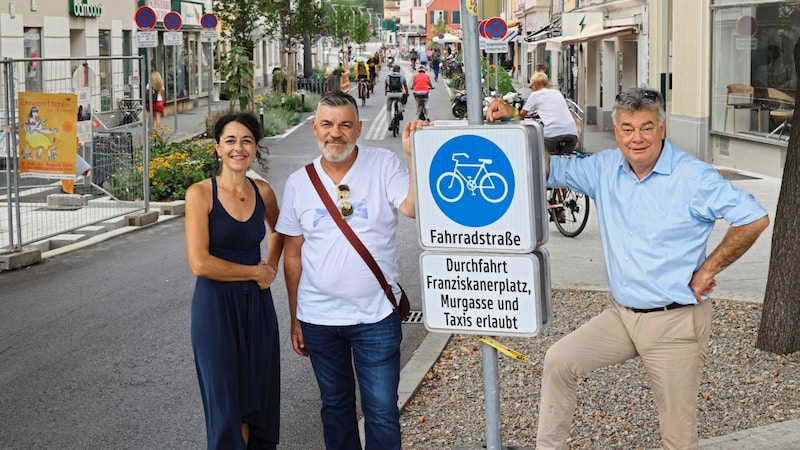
(340, 315)
(554, 114)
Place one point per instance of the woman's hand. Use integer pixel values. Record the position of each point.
(266, 276)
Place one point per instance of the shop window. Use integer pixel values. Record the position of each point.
(438, 17)
(752, 60)
(33, 69)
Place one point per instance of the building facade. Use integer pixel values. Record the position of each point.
(73, 28)
(725, 68)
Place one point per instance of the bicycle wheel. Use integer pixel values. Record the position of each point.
(396, 119)
(450, 187)
(576, 212)
(494, 187)
(363, 93)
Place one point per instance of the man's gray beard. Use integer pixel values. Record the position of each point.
(335, 157)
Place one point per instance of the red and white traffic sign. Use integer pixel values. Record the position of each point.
(482, 28)
(495, 28)
(145, 18)
(172, 21)
(208, 21)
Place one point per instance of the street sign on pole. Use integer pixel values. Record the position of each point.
(173, 38)
(145, 18)
(480, 188)
(495, 28)
(147, 39)
(476, 293)
(172, 21)
(208, 21)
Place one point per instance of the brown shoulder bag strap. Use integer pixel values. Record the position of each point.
(349, 233)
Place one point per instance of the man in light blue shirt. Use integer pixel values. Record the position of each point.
(656, 207)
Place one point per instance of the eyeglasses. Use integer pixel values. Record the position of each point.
(345, 207)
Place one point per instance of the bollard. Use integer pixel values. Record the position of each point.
(303, 100)
(261, 114)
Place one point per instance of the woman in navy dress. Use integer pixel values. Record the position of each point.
(234, 328)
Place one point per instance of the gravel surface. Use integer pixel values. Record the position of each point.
(741, 387)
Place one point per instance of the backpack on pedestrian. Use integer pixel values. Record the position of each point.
(395, 83)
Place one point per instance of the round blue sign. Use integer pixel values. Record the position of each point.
(471, 180)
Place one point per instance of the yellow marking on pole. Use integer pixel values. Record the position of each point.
(503, 349)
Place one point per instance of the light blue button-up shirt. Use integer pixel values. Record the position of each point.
(654, 231)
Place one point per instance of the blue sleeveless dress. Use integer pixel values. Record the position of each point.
(235, 338)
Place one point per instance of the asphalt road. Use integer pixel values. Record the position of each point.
(94, 344)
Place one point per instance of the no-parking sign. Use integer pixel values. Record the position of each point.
(173, 21)
(480, 188)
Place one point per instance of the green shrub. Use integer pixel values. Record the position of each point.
(174, 166)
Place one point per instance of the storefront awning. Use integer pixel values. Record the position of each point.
(556, 44)
(543, 33)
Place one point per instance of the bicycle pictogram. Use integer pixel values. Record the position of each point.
(475, 176)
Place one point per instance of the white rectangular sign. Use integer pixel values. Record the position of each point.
(147, 39)
(173, 38)
(496, 47)
(482, 293)
(209, 36)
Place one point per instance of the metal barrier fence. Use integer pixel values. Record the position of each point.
(110, 124)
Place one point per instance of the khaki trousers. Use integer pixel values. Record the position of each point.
(673, 346)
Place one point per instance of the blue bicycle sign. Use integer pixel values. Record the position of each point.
(492, 185)
(471, 180)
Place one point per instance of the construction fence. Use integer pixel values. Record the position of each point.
(113, 146)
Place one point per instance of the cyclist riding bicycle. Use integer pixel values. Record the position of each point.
(554, 114)
(362, 74)
(371, 64)
(560, 130)
(395, 87)
(422, 86)
(413, 57)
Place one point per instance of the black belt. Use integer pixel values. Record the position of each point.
(672, 305)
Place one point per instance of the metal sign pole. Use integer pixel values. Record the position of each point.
(145, 75)
(491, 385)
(175, 86)
(210, 77)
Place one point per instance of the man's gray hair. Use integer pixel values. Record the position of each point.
(637, 99)
(337, 99)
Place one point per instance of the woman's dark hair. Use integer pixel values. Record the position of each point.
(250, 121)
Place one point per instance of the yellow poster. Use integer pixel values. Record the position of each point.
(472, 7)
(48, 140)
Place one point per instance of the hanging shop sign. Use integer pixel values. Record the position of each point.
(80, 8)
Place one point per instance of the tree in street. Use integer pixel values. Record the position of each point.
(780, 319)
(238, 29)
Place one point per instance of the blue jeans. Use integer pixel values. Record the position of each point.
(375, 350)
